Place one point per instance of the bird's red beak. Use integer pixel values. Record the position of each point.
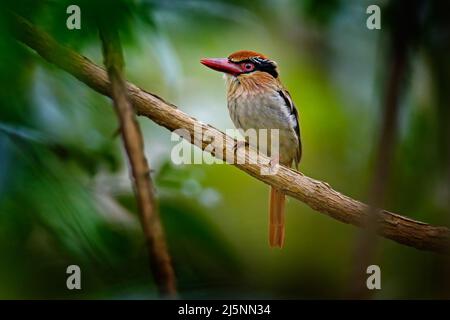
(222, 65)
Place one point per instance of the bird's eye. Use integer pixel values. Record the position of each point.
(248, 66)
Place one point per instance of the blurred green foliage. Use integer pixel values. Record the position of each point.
(65, 195)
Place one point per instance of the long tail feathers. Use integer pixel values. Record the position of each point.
(276, 218)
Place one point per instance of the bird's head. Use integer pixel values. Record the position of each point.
(242, 62)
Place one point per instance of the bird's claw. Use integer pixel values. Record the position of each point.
(239, 144)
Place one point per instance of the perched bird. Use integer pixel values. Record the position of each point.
(258, 100)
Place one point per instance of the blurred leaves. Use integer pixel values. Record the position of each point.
(56, 145)
(321, 12)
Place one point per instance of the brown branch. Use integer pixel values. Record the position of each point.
(160, 261)
(316, 194)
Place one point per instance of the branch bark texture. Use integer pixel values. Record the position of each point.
(316, 194)
(160, 261)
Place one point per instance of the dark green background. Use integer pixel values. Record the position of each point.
(65, 195)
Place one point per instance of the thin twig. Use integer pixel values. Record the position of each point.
(316, 194)
(160, 261)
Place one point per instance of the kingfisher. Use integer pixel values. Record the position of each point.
(258, 100)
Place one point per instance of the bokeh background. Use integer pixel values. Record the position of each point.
(65, 193)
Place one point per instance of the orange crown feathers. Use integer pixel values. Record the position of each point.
(244, 55)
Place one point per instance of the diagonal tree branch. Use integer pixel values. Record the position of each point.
(316, 194)
(160, 261)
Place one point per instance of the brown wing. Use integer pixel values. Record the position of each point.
(293, 110)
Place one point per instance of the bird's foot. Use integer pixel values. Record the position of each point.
(238, 155)
(239, 144)
(272, 167)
